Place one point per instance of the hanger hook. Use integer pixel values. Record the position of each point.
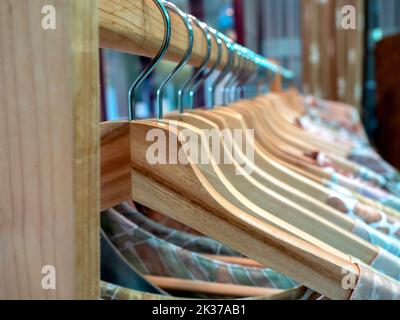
(242, 74)
(200, 81)
(258, 69)
(185, 58)
(232, 76)
(245, 76)
(207, 36)
(212, 92)
(149, 68)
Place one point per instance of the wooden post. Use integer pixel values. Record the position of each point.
(49, 150)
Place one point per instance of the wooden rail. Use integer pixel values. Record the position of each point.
(137, 27)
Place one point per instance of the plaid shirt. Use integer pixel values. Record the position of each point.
(199, 244)
(153, 256)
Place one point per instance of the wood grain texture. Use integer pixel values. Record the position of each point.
(115, 180)
(49, 164)
(223, 120)
(137, 27)
(195, 203)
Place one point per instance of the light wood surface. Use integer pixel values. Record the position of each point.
(214, 288)
(247, 189)
(137, 27)
(49, 150)
(195, 203)
(266, 162)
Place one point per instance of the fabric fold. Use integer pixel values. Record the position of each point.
(199, 244)
(373, 285)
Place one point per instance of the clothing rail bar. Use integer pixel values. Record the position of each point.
(136, 27)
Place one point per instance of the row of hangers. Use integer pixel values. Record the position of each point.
(277, 215)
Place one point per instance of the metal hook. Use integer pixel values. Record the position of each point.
(258, 71)
(228, 44)
(233, 77)
(149, 68)
(200, 81)
(184, 60)
(207, 36)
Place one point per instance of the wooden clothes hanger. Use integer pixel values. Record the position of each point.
(336, 152)
(243, 197)
(277, 114)
(287, 172)
(295, 159)
(235, 120)
(195, 203)
(183, 192)
(196, 286)
(275, 146)
(265, 140)
(280, 206)
(266, 205)
(257, 146)
(218, 122)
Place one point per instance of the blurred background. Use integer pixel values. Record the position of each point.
(360, 67)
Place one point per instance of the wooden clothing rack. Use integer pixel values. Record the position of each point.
(49, 134)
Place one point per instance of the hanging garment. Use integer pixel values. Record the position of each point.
(370, 159)
(344, 201)
(114, 268)
(336, 115)
(151, 255)
(387, 261)
(371, 192)
(327, 127)
(198, 244)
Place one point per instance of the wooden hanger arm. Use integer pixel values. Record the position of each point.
(115, 180)
(241, 261)
(212, 288)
